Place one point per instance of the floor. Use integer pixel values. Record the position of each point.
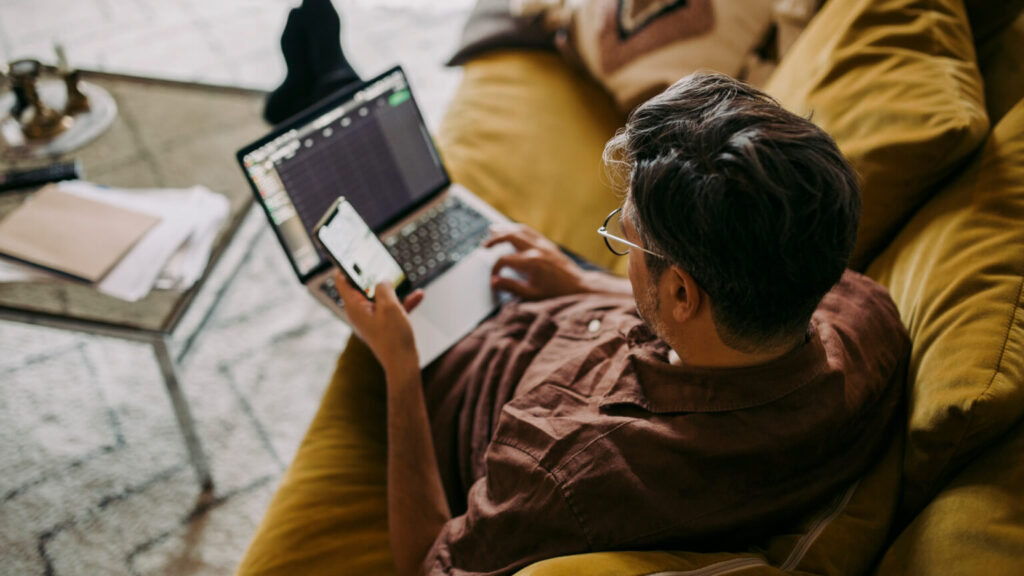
(95, 478)
(233, 42)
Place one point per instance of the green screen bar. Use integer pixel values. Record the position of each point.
(399, 97)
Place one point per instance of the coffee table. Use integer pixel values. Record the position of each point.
(166, 135)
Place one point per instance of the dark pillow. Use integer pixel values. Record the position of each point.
(491, 26)
(990, 17)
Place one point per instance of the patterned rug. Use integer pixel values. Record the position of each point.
(95, 475)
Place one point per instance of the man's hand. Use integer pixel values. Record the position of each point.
(547, 271)
(383, 324)
(417, 507)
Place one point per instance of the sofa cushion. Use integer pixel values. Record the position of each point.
(956, 273)
(525, 132)
(975, 525)
(895, 82)
(330, 509)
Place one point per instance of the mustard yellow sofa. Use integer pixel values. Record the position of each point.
(927, 99)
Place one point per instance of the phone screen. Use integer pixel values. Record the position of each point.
(358, 251)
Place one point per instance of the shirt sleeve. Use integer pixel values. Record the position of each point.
(516, 515)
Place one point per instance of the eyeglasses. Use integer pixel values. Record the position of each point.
(613, 233)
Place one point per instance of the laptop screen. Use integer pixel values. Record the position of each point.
(370, 145)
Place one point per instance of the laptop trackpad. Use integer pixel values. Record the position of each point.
(462, 296)
(455, 303)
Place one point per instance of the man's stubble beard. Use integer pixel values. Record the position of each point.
(648, 307)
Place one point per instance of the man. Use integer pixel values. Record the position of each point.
(738, 378)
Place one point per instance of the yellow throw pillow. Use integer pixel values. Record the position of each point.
(896, 84)
(956, 273)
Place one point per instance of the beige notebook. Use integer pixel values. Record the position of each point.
(70, 234)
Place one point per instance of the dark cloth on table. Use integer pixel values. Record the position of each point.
(561, 428)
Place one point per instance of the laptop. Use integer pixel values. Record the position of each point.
(369, 144)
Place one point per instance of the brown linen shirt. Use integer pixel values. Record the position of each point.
(561, 428)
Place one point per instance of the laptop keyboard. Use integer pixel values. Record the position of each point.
(441, 237)
(432, 243)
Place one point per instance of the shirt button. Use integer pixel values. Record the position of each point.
(594, 326)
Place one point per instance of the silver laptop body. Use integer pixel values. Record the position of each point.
(370, 144)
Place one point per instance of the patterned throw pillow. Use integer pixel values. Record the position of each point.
(637, 48)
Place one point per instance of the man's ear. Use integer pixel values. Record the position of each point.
(685, 294)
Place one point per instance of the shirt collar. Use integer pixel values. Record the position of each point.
(646, 380)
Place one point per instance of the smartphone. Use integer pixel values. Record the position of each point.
(356, 250)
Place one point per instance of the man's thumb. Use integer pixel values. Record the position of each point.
(385, 293)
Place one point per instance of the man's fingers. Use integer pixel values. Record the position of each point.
(500, 228)
(358, 307)
(519, 261)
(413, 300)
(387, 297)
(384, 293)
(349, 294)
(515, 286)
(516, 236)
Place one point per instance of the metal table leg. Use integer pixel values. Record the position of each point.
(184, 416)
